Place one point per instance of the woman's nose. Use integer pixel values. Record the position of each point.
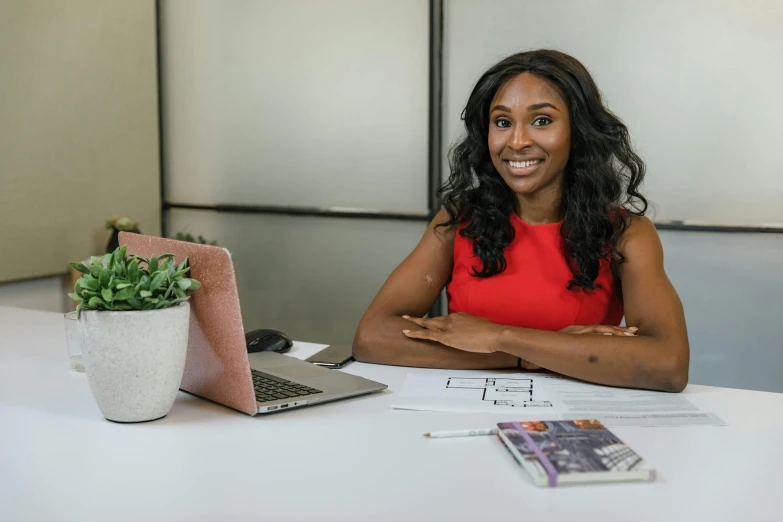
(519, 138)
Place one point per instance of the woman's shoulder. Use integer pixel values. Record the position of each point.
(637, 225)
(640, 235)
(441, 228)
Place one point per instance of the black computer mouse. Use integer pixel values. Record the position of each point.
(266, 340)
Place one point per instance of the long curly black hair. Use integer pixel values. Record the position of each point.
(601, 182)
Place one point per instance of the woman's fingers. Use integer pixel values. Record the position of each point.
(422, 334)
(614, 330)
(435, 323)
(602, 329)
(416, 320)
(606, 330)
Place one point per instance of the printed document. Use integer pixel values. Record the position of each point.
(546, 397)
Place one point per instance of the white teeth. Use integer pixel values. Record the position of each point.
(522, 164)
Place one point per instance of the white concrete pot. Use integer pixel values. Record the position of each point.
(134, 360)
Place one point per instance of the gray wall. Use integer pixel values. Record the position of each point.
(732, 290)
(311, 277)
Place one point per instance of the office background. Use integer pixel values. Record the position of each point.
(307, 136)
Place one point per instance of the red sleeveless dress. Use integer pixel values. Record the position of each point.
(531, 292)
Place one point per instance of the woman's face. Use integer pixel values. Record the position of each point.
(529, 134)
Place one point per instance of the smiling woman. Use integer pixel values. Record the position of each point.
(541, 244)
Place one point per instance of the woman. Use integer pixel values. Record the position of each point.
(541, 245)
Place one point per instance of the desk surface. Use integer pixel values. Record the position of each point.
(348, 460)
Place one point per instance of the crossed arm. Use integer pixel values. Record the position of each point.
(653, 353)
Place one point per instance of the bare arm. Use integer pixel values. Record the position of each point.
(412, 289)
(656, 358)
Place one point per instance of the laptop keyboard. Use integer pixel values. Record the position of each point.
(272, 388)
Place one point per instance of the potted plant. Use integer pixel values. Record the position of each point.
(133, 318)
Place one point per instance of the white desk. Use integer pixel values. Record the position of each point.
(348, 460)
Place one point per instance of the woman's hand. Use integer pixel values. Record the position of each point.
(600, 329)
(461, 331)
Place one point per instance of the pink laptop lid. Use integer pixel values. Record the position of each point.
(216, 366)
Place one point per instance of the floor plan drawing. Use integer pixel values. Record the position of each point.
(475, 392)
(503, 391)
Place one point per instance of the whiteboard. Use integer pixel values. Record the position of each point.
(303, 103)
(698, 82)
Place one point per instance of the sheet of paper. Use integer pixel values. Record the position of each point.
(548, 398)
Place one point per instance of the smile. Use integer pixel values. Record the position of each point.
(523, 164)
(523, 168)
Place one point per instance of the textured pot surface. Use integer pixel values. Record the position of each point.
(134, 360)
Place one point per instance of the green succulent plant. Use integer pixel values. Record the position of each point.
(118, 282)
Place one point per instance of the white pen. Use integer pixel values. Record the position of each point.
(461, 433)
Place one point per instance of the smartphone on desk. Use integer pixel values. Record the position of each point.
(333, 356)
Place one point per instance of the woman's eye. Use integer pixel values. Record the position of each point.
(541, 121)
(503, 123)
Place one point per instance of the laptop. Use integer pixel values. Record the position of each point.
(217, 365)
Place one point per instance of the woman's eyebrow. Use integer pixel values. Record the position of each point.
(534, 107)
(500, 108)
(538, 106)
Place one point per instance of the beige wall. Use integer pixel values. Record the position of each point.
(78, 128)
